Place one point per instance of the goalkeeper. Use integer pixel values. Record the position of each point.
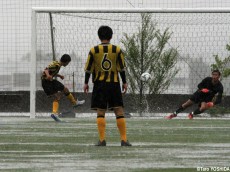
(204, 96)
(53, 87)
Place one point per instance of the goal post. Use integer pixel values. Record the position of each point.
(33, 79)
(197, 34)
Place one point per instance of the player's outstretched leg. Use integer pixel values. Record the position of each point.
(190, 116)
(74, 102)
(174, 114)
(78, 103)
(71, 98)
(171, 116)
(196, 112)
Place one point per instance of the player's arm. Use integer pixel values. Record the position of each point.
(121, 69)
(87, 76)
(60, 76)
(219, 96)
(86, 86)
(88, 70)
(48, 76)
(124, 85)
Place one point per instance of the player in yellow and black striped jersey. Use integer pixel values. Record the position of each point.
(53, 69)
(51, 86)
(106, 62)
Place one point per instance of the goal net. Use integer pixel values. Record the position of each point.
(197, 34)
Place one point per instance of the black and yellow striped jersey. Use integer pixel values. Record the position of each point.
(53, 68)
(104, 62)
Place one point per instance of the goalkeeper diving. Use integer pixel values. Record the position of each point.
(209, 93)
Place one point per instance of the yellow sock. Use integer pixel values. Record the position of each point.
(121, 125)
(101, 128)
(55, 107)
(71, 98)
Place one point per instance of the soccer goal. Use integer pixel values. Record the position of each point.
(197, 34)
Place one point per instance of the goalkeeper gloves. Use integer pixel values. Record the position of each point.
(204, 90)
(210, 104)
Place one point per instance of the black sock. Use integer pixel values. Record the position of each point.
(180, 109)
(197, 111)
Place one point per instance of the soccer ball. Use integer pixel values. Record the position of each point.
(145, 76)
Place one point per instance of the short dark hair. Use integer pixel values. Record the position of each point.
(105, 33)
(65, 58)
(216, 71)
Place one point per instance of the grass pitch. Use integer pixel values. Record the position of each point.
(158, 145)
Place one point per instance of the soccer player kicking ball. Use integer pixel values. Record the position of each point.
(105, 61)
(207, 89)
(53, 87)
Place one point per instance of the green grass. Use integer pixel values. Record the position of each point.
(158, 145)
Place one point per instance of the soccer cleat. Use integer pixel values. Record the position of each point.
(190, 116)
(123, 143)
(101, 143)
(55, 117)
(171, 116)
(79, 103)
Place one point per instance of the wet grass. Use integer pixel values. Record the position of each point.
(158, 145)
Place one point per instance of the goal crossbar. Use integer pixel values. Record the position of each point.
(129, 10)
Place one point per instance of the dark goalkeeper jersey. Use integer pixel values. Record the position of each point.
(213, 89)
(104, 62)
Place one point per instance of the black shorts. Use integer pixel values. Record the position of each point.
(199, 97)
(52, 87)
(106, 95)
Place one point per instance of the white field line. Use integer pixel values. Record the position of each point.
(23, 151)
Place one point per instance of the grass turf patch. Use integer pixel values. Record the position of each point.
(158, 145)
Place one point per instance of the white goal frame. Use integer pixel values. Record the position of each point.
(36, 10)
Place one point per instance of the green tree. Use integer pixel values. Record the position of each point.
(148, 51)
(222, 65)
